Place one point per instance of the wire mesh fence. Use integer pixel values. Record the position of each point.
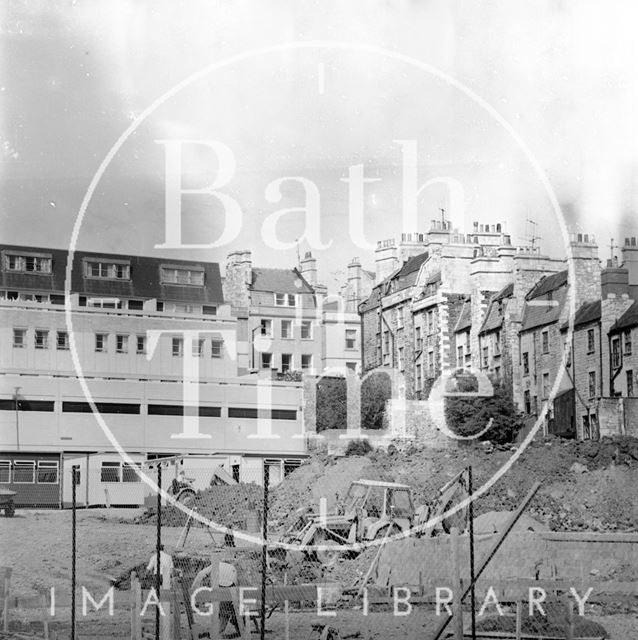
(209, 524)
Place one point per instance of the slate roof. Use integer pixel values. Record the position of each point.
(548, 284)
(372, 301)
(588, 313)
(465, 318)
(553, 290)
(279, 281)
(145, 281)
(627, 320)
(402, 278)
(494, 315)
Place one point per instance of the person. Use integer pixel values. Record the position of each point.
(165, 567)
(229, 537)
(227, 578)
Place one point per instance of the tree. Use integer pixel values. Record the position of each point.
(468, 416)
(376, 390)
(331, 403)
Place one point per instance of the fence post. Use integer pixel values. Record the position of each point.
(158, 549)
(470, 490)
(569, 619)
(136, 608)
(74, 470)
(264, 552)
(457, 589)
(519, 619)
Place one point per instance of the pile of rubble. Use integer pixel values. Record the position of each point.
(225, 504)
(585, 485)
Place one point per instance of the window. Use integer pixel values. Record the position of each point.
(351, 338)
(546, 386)
(28, 263)
(459, 357)
(48, 471)
(266, 327)
(182, 275)
(627, 342)
(62, 341)
(497, 343)
(351, 366)
(100, 342)
(198, 348)
(630, 383)
(592, 384)
(418, 339)
(430, 322)
(527, 402)
(107, 270)
(306, 361)
(19, 338)
(485, 357)
(181, 308)
(526, 364)
(401, 359)
(141, 344)
(104, 303)
(400, 317)
(41, 339)
(431, 364)
(24, 471)
(286, 362)
(306, 330)
(591, 341)
(129, 474)
(216, 347)
(419, 377)
(285, 299)
(5, 471)
(266, 360)
(615, 353)
(121, 343)
(209, 310)
(386, 341)
(545, 341)
(178, 347)
(286, 329)
(135, 305)
(110, 472)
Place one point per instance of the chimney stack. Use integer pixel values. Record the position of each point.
(630, 259)
(386, 261)
(309, 269)
(239, 269)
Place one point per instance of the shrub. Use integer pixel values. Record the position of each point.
(358, 448)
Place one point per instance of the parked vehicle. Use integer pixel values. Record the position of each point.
(373, 510)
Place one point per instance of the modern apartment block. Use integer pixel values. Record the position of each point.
(160, 353)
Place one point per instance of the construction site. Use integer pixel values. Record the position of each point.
(356, 547)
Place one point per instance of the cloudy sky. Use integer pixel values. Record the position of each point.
(75, 75)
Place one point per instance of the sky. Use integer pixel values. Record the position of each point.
(296, 121)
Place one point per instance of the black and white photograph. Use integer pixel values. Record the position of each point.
(317, 320)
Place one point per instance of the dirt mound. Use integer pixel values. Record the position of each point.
(321, 477)
(225, 504)
(595, 494)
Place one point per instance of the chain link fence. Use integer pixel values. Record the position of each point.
(209, 527)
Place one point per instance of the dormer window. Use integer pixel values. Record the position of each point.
(107, 269)
(27, 263)
(285, 299)
(182, 275)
